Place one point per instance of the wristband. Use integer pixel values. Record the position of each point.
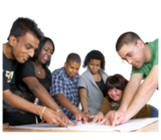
(42, 112)
(58, 110)
(85, 111)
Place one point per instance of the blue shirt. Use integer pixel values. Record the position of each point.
(62, 83)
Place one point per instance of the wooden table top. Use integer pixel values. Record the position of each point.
(153, 127)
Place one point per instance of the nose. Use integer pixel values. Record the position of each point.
(31, 52)
(129, 61)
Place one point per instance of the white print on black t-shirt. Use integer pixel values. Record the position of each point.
(9, 75)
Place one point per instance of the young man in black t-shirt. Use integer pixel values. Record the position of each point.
(22, 41)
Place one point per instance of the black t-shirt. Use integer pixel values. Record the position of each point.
(27, 69)
(9, 68)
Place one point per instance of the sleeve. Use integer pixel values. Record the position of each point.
(135, 70)
(155, 62)
(5, 84)
(25, 70)
(56, 85)
(106, 106)
(81, 83)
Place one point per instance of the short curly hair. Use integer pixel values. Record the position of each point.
(95, 54)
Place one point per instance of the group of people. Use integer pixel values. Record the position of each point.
(105, 99)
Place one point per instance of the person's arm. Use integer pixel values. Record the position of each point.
(18, 102)
(130, 90)
(40, 92)
(144, 93)
(84, 103)
(72, 108)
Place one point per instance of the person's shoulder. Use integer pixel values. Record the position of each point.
(58, 72)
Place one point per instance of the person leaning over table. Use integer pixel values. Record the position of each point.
(33, 80)
(115, 86)
(64, 88)
(91, 83)
(144, 59)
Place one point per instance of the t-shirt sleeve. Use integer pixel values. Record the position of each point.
(155, 62)
(81, 83)
(25, 70)
(56, 85)
(135, 70)
(5, 84)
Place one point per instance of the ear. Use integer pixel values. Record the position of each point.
(12, 40)
(140, 43)
(65, 64)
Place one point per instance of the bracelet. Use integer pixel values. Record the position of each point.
(75, 111)
(42, 112)
(58, 110)
(85, 111)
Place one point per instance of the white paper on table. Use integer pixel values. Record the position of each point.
(133, 124)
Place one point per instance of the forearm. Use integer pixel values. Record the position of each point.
(128, 95)
(84, 103)
(142, 97)
(42, 94)
(65, 102)
(21, 103)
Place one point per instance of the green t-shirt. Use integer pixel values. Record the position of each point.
(146, 68)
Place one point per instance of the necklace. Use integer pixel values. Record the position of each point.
(38, 72)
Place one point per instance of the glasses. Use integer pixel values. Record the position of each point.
(129, 56)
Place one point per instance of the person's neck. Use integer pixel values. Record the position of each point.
(7, 50)
(147, 53)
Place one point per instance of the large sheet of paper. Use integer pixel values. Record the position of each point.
(133, 124)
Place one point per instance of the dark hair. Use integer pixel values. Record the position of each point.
(115, 81)
(126, 38)
(22, 25)
(95, 54)
(73, 57)
(37, 51)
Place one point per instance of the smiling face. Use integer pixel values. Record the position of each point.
(23, 47)
(115, 94)
(94, 65)
(46, 52)
(71, 68)
(137, 59)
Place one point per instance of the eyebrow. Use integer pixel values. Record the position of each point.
(126, 56)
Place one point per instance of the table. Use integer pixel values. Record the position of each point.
(153, 127)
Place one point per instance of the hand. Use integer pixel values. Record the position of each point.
(65, 119)
(108, 118)
(80, 116)
(5, 126)
(52, 117)
(119, 117)
(98, 117)
(88, 116)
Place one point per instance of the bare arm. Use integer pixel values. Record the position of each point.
(144, 92)
(83, 98)
(21, 103)
(40, 92)
(79, 115)
(130, 90)
(65, 102)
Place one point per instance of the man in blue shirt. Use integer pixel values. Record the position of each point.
(64, 88)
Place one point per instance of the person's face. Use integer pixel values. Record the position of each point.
(46, 52)
(23, 47)
(72, 68)
(94, 65)
(115, 94)
(133, 53)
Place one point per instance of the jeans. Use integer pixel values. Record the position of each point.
(154, 112)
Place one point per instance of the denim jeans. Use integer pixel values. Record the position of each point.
(154, 112)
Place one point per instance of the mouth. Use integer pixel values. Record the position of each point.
(25, 58)
(46, 58)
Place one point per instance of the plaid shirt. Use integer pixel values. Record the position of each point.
(62, 83)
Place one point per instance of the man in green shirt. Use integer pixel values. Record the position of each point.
(144, 60)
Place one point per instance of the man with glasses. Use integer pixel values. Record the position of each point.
(144, 60)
